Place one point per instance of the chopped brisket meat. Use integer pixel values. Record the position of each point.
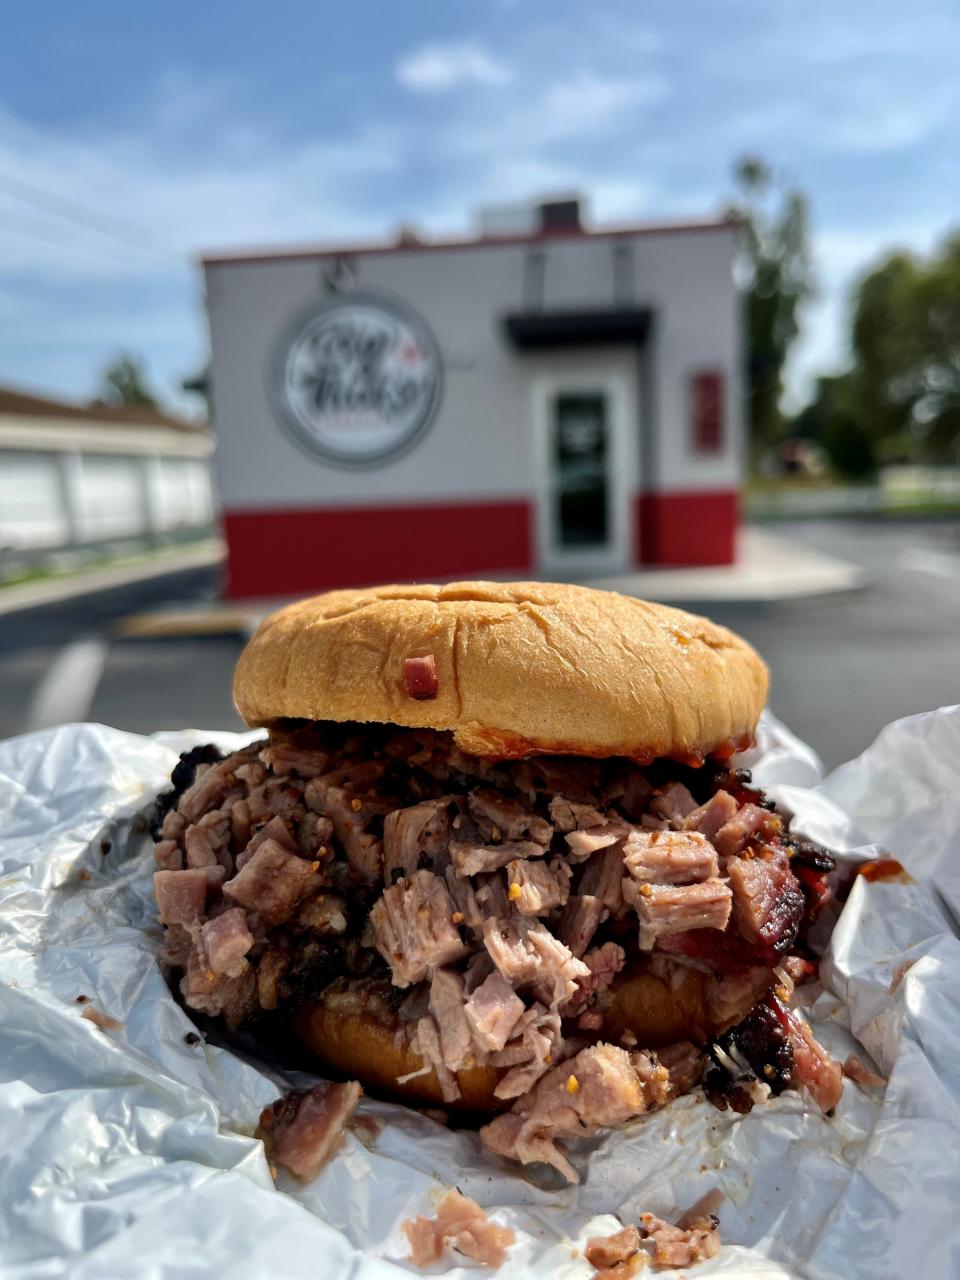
(483, 909)
(534, 1046)
(673, 804)
(303, 1130)
(226, 940)
(759, 1049)
(461, 1224)
(668, 857)
(214, 993)
(708, 818)
(768, 905)
(412, 927)
(199, 847)
(326, 914)
(579, 922)
(181, 895)
(604, 963)
(167, 856)
(468, 911)
(273, 883)
(410, 833)
(447, 1004)
(351, 814)
(536, 887)
(426, 1043)
(502, 818)
(583, 843)
(603, 879)
(566, 815)
(211, 785)
(283, 756)
(528, 954)
(813, 1068)
(730, 997)
(472, 857)
(601, 1087)
(746, 824)
(165, 818)
(492, 1011)
(276, 829)
(667, 908)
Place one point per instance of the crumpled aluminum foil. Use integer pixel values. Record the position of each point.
(129, 1153)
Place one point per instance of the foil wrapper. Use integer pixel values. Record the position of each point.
(130, 1152)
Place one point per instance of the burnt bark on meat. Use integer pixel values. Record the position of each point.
(184, 772)
(759, 1043)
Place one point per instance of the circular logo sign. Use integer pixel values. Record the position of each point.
(357, 379)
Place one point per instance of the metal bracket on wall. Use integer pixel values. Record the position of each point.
(339, 273)
(534, 273)
(623, 280)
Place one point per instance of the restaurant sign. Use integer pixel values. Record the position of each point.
(356, 379)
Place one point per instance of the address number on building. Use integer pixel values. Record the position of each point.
(357, 379)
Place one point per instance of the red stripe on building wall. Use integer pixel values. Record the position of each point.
(686, 528)
(280, 553)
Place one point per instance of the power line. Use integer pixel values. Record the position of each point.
(81, 215)
(44, 235)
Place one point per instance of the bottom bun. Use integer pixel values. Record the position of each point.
(367, 1048)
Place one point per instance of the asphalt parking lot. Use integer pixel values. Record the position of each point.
(842, 666)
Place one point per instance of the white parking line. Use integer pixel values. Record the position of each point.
(66, 691)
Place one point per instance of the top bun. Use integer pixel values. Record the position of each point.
(523, 668)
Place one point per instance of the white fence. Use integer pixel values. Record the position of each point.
(52, 501)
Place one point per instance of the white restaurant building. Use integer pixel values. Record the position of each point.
(544, 401)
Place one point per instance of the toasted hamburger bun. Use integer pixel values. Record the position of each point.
(365, 1047)
(523, 668)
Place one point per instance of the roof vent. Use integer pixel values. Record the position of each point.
(560, 215)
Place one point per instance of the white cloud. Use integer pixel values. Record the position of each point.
(436, 68)
(871, 120)
(579, 106)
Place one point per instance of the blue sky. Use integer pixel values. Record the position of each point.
(188, 126)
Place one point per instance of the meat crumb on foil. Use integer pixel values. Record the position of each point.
(303, 1129)
(487, 911)
(657, 1243)
(459, 1224)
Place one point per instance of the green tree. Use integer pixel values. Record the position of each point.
(906, 343)
(124, 382)
(777, 276)
(834, 419)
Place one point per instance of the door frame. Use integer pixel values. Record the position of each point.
(615, 383)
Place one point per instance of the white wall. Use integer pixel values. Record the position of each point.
(480, 443)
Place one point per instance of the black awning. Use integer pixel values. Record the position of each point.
(532, 330)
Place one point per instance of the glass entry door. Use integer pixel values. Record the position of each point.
(583, 483)
(580, 447)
